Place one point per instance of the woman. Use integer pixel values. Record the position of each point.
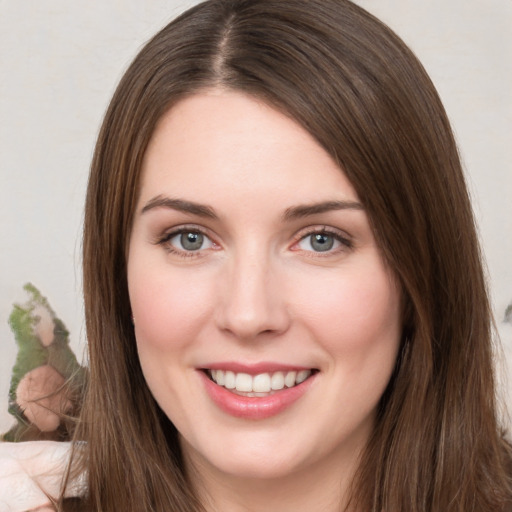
(283, 288)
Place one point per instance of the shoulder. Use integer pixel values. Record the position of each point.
(32, 471)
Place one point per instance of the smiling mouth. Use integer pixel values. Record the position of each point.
(260, 385)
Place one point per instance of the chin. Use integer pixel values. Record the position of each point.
(261, 469)
(249, 460)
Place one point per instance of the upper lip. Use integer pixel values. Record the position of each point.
(254, 368)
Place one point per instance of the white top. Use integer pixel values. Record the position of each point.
(31, 470)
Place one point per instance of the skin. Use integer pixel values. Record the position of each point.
(259, 290)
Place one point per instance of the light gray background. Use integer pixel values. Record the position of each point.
(61, 60)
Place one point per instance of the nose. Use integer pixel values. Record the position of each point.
(253, 299)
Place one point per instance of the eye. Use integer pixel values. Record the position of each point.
(322, 242)
(189, 241)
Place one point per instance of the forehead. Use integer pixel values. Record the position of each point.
(219, 143)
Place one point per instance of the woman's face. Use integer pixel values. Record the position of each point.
(267, 322)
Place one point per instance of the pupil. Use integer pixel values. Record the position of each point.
(321, 242)
(191, 241)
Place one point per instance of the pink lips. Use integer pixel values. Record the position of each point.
(254, 408)
(254, 369)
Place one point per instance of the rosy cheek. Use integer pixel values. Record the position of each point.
(353, 310)
(168, 306)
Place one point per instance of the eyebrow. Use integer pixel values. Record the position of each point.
(180, 205)
(298, 212)
(292, 213)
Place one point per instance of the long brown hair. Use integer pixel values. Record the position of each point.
(361, 93)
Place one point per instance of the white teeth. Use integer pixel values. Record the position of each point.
(261, 383)
(220, 377)
(277, 381)
(302, 376)
(243, 382)
(289, 380)
(229, 379)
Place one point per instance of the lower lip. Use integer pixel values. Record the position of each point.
(255, 408)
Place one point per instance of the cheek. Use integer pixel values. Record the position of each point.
(168, 307)
(354, 312)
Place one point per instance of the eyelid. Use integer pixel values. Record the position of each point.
(165, 237)
(343, 237)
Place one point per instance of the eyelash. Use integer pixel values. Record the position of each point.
(167, 237)
(344, 241)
